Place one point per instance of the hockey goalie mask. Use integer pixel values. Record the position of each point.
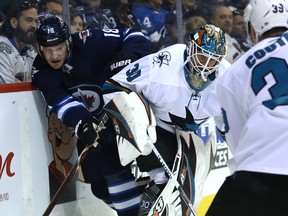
(205, 49)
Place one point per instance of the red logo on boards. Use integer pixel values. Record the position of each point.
(5, 164)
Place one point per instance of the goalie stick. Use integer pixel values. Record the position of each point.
(176, 183)
(72, 172)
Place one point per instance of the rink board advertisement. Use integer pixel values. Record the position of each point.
(36, 152)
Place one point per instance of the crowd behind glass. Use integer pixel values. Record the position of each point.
(160, 27)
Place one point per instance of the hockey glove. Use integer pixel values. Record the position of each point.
(119, 62)
(85, 131)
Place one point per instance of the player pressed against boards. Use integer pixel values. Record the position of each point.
(69, 70)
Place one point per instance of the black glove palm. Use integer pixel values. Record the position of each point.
(85, 131)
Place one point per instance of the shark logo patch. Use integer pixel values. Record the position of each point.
(5, 47)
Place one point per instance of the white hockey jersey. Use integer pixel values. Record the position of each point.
(254, 95)
(161, 79)
(14, 66)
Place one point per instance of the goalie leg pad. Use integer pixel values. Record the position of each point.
(194, 171)
(134, 124)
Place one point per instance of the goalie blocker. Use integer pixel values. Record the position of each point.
(132, 117)
(134, 124)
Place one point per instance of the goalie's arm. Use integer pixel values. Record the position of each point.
(133, 78)
(111, 88)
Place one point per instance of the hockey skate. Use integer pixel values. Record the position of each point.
(161, 199)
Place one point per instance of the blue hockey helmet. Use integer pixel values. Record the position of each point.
(206, 48)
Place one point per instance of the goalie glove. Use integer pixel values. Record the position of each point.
(134, 124)
(85, 131)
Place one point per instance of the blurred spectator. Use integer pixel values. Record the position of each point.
(17, 37)
(2, 18)
(193, 23)
(119, 14)
(204, 9)
(190, 8)
(76, 20)
(72, 4)
(239, 4)
(169, 5)
(93, 15)
(5, 5)
(223, 18)
(151, 17)
(51, 6)
(171, 36)
(238, 29)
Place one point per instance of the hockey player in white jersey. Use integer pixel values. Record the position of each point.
(178, 83)
(254, 96)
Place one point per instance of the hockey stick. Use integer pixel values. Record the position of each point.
(71, 173)
(176, 183)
